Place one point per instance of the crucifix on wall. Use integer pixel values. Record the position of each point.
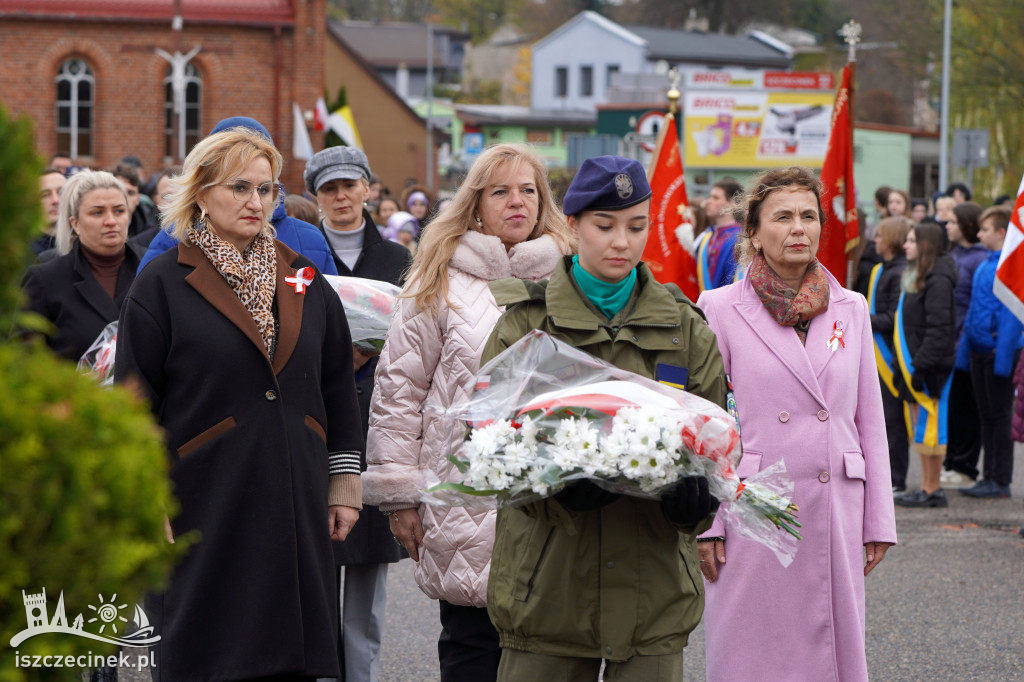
(178, 62)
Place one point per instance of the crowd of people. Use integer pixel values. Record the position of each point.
(300, 457)
(941, 384)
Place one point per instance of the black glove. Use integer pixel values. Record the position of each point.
(930, 380)
(689, 502)
(583, 496)
(917, 380)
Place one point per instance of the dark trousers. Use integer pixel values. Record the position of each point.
(896, 434)
(468, 648)
(964, 445)
(995, 408)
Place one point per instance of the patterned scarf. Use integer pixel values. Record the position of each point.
(252, 275)
(789, 307)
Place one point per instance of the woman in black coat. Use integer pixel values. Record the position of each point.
(81, 290)
(244, 353)
(339, 179)
(925, 343)
(883, 297)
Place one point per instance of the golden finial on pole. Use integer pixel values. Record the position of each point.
(673, 92)
(851, 31)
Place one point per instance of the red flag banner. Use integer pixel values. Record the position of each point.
(1009, 282)
(839, 234)
(664, 255)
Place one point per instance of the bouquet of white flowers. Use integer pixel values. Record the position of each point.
(369, 305)
(545, 413)
(98, 361)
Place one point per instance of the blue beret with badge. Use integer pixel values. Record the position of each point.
(606, 183)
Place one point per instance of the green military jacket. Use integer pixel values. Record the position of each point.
(623, 580)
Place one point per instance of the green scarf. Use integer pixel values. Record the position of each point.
(607, 297)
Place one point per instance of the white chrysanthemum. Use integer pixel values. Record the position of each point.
(574, 444)
(528, 430)
(536, 485)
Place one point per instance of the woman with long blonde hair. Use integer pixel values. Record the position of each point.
(503, 222)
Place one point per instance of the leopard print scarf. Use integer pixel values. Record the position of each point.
(252, 275)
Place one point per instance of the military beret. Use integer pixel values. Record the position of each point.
(606, 183)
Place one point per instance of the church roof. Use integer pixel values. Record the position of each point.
(241, 12)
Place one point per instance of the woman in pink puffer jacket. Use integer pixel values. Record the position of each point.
(503, 222)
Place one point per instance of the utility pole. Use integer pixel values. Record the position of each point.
(944, 121)
(430, 105)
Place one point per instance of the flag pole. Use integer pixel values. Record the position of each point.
(851, 31)
(673, 99)
(673, 90)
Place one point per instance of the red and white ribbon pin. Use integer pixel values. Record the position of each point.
(302, 279)
(836, 339)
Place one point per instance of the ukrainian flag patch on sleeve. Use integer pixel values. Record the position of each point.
(672, 375)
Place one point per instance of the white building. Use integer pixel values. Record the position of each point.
(574, 65)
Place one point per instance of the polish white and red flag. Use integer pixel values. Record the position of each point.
(320, 115)
(1009, 282)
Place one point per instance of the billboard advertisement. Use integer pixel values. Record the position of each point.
(754, 129)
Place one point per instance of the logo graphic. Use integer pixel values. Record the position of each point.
(624, 186)
(107, 614)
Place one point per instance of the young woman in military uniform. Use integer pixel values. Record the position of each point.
(589, 575)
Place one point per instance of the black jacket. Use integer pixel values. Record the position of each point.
(370, 540)
(380, 259)
(887, 296)
(66, 293)
(143, 218)
(929, 324)
(868, 259)
(251, 444)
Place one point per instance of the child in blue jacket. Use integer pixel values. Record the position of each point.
(989, 349)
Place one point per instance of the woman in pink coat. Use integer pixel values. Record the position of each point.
(798, 349)
(503, 222)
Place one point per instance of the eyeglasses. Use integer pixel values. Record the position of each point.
(242, 190)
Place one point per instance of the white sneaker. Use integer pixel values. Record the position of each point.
(954, 479)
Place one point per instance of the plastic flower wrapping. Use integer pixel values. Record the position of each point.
(369, 305)
(545, 413)
(98, 360)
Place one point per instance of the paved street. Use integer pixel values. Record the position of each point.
(946, 604)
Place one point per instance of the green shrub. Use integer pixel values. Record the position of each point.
(83, 469)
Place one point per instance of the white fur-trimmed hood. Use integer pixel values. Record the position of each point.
(484, 256)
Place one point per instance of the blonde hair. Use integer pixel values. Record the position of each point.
(216, 159)
(893, 231)
(428, 277)
(71, 196)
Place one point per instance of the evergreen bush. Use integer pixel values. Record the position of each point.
(83, 470)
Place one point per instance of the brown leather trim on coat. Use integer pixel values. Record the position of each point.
(315, 426)
(212, 286)
(215, 431)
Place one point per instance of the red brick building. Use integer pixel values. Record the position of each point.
(89, 74)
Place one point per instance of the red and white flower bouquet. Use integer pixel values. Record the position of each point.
(98, 360)
(369, 305)
(545, 413)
